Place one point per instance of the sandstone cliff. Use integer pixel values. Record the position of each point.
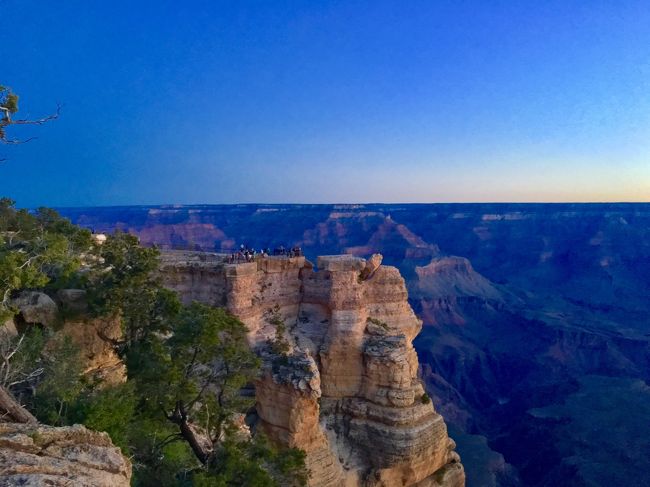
(37, 455)
(347, 393)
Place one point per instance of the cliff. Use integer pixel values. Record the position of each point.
(347, 392)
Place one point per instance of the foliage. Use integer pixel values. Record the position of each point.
(8, 99)
(38, 250)
(279, 345)
(8, 106)
(127, 284)
(61, 385)
(253, 464)
(20, 359)
(199, 371)
(109, 409)
(377, 322)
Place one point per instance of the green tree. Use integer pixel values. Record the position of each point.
(38, 250)
(127, 284)
(62, 382)
(195, 377)
(191, 407)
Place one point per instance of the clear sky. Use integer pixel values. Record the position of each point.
(340, 101)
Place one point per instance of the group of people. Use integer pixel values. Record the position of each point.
(245, 254)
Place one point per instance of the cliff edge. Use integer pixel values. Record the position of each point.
(345, 387)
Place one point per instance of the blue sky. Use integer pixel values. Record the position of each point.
(376, 101)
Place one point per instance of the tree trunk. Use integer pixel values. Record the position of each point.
(198, 447)
(9, 407)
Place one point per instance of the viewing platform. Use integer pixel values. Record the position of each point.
(195, 259)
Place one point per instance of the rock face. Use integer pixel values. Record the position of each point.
(99, 358)
(37, 455)
(348, 392)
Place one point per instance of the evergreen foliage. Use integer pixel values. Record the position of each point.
(39, 250)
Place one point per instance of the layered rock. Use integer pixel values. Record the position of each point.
(347, 393)
(37, 455)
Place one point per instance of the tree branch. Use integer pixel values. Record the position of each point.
(169, 439)
(6, 121)
(40, 121)
(114, 342)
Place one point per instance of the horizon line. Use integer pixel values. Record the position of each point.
(172, 205)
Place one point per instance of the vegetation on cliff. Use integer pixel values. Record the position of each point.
(180, 413)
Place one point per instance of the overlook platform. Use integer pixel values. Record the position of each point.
(200, 259)
(183, 259)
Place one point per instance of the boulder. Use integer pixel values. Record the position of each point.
(372, 264)
(36, 308)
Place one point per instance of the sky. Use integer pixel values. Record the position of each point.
(169, 102)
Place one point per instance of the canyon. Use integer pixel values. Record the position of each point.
(535, 345)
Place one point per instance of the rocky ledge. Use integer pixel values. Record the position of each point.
(38, 455)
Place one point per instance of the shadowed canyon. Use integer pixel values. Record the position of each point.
(535, 345)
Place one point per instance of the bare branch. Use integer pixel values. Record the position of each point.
(28, 377)
(169, 439)
(40, 121)
(6, 121)
(11, 353)
(16, 141)
(114, 342)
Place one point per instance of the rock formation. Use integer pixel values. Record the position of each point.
(37, 455)
(36, 308)
(347, 393)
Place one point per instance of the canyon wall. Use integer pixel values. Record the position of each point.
(347, 392)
